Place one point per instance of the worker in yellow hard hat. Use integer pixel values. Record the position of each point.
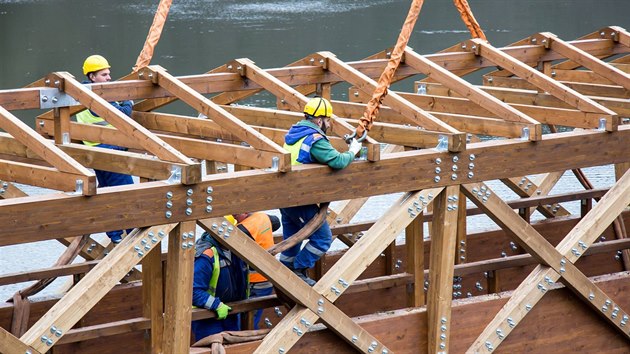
(96, 69)
(307, 142)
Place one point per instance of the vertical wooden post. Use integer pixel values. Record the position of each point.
(441, 269)
(153, 299)
(179, 279)
(389, 258)
(62, 123)
(460, 245)
(414, 244)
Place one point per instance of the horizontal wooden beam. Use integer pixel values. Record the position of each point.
(414, 170)
(46, 177)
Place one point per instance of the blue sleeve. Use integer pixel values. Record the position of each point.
(124, 106)
(201, 281)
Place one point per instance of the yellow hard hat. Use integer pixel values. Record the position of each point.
(318, 107)
(231, 219)
(95, 63)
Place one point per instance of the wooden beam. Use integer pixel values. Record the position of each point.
(457, 140)
(195, 148)
(46, 177)
(442, 263)
(583, 58)
(469, 91)
(568, 251)
(493, 160)
(179, 280)
(543, 82)
(313, 303)
(124, 124)
(85, 294)
(153, 299)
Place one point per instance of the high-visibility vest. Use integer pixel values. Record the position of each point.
(259, 226)
(216, 268)
(87, 117)
(301, 150)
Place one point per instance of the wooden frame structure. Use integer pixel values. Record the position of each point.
(540, 81)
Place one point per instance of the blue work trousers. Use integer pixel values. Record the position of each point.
(257, 291)
(294, 219)
(111, 179)
(203, 328)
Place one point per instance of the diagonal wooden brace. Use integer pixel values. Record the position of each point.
(558, 262)
(93, 287)
(540, 80)
(313, 303)
(471, 92)
(583, 58)
(352, 264)
(197, 101)
(414, 114)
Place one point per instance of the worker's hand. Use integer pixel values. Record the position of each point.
(222, 311)
(355, 146)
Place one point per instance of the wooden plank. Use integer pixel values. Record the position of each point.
(441, 267)
(599, 91)
(313, 303)
(179, 280)
(9, 190)
(580, 238)
(525, 187)
(412, 113)
(153, 300)
(585, 59)
(475, 95)
(543, 82)
(493, 160)
(82, 297)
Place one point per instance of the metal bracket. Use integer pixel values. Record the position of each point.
(50, 97)
(176, 175)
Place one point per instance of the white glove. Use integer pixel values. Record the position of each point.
(355, 146)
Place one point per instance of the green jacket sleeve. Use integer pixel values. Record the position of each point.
(323, 152)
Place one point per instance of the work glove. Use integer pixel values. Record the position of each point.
(355, 146)
(222, 311)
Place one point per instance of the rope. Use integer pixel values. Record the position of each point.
(371, 110)
(469, 19)
(154, 35)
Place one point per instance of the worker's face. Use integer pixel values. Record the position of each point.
(100, 76)
(324, 124)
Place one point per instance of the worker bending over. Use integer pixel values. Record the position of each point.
(307, 142)
(260, 227)
(219, 277)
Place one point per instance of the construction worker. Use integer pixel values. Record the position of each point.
(308, 143)
(96, 69)
(219, 277)
(260, 227)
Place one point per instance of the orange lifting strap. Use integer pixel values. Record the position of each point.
(371, 110)
(154, 34)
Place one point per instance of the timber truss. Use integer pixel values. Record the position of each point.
(433, 152)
